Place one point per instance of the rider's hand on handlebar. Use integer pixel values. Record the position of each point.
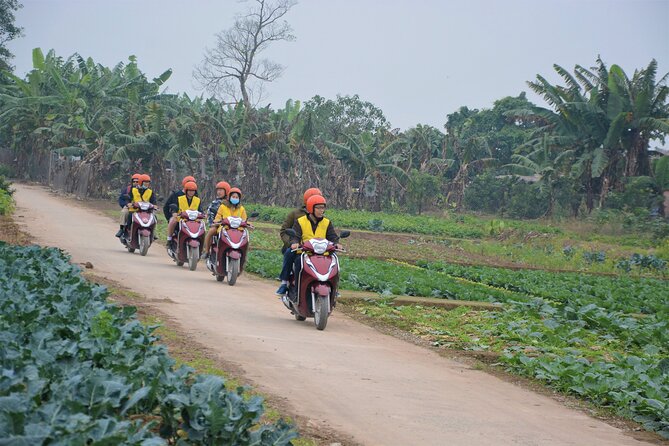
(339, 247)
(294, 246)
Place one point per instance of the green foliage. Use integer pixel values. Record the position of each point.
(8, 30)
(423, 190)
(527, 201)
(640, 192)
(623, 294)
(487, 193)
(662, 173)
(6, 203)
(78, 370)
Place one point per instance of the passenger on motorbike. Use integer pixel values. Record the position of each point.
(222, 189)
(123, 199)
(173, 199)
(288, 254)
(312, 225)
(185, 202)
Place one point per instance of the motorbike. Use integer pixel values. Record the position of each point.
(227, 255)
(189, 236)
(139, 233)
(314, 292)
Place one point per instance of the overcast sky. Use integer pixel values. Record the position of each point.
(417, 60)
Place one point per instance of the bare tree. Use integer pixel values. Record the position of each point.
(234, 65)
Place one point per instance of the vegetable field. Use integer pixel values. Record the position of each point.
(77, 370)
(602, 338)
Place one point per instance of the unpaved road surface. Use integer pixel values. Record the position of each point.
(373, 387)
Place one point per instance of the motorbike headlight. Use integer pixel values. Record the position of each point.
(320, 246)
(192, 215)
(144, 206)
(235, 222)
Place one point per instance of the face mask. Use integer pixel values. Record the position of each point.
(234, 200)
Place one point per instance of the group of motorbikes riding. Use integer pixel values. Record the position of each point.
(310, 272)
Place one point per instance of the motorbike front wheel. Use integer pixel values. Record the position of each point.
(233, 271)
(321, 312)
(144, 244)
(193, 257)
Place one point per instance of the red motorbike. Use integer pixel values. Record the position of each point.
(139, 233)
(187, 239)
(227, 255)
(314, 292)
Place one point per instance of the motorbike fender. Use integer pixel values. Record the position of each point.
(145, 232)
(193, 243)
(322, 290)
(234, 254)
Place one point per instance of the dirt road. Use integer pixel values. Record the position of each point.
(376, 388)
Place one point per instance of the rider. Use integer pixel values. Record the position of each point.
(173, 199)
(231, 207)
(222, 189)
(312, 225)
(188, 201)
(288, 254)
(123, 200)
(141, 193)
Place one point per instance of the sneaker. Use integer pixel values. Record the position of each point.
(205, 256)
(283, 289)
(119, 233)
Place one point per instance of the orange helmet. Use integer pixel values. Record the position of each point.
(190, 185)
(187, 179)
(143, 178)
(136, 176)
(313, 201)
(311, 192)
(223, 185)
(233, 190)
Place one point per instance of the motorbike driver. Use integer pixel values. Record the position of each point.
(173, 199)
(123, 199)
(288, 254)
(222, 190)
(312, 225)
(141, 193)
(188, 201)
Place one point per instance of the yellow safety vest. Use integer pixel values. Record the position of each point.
(137, 197)
(225, 211)
(307, 231)
(184, 206)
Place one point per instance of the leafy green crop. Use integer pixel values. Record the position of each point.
(621, 293)
(459, 226)
(76, 370)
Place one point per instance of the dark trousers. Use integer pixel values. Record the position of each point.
(288, 259)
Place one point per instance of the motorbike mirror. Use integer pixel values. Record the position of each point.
(253, 214)
(344, 234)
(291, 232)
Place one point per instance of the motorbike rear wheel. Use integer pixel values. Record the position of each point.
(220, 278)
(300, 318)
(233, 271)
(130, 250)
(144, 244)
(193, 257)
(321, 312)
